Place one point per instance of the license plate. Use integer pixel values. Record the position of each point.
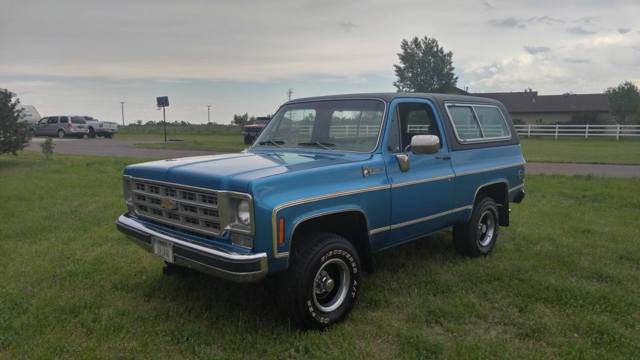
(163, 249)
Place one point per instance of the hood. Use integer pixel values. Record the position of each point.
(235, 171)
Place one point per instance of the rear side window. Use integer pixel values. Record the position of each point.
(492, 123)
(466, 126)
(478, 123)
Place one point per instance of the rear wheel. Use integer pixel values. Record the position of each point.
(321, 284)
(61, 133)
(478, 236)
(108, 136)
(92, 133)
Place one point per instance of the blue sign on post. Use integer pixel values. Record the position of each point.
(163, 101)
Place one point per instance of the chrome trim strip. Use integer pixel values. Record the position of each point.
(379, 230)
(421, 181)
(430, 217)
(418, 220)
(291, 203)
(478, 171)
(516, 187)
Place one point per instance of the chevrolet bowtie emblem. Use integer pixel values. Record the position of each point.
(168, 204)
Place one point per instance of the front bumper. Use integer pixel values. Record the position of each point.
(219, 263)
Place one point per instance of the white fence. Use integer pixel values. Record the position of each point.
(586, 131)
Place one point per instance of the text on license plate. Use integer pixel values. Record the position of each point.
(163, 249)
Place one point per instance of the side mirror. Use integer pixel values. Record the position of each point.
(425, 144)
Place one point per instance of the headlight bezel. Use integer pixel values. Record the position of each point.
(234, 223)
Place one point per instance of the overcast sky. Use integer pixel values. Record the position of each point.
(84, 57)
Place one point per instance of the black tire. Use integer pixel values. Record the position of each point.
(248, 139)
(61, 133)
(92, 133)
(108, 136)
(478, 236)
(321, 284)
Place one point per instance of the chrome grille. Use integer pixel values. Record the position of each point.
(184, 207)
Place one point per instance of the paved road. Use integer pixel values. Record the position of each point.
(119, 147)
(625, 171)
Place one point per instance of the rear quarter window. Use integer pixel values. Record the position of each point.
(478, 123)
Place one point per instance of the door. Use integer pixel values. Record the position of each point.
(421, 195)
(52, 126)
(40, 128)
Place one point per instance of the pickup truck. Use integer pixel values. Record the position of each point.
(250, 132)
(331, 181)
(106, 129)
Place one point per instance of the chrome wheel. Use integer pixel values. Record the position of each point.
(486, 228)
(331, 285)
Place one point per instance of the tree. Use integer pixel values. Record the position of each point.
(424, 67)
(624, 102)
(241, 119)
(14, 131)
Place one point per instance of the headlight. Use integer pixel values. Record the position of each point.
(243, 212)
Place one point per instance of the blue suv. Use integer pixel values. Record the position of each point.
(329, 182)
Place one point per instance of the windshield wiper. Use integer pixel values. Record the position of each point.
(324, 145)
(277, 143)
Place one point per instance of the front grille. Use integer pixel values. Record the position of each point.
(183, 207)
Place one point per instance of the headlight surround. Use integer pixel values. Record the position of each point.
(243, 212)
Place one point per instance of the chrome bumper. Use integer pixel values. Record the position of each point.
(219, 263)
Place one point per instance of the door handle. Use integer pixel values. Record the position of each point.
(445, 157)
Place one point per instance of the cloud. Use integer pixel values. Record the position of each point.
(348, 26)
(579, 30)
(576, 60)
(509, 22)
(623, 30)
(533, 50)
(487, 5)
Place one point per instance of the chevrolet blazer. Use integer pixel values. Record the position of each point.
(329, 182)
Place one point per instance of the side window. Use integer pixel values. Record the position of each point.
(465, 123)
(64, 119)
(43, 121)
(53, 120)
(416, 119)
(492, 122)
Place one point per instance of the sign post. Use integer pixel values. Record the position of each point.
(163, 102)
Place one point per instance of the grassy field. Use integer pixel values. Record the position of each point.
(227, 139)
(213, 138)
(595, 151)
(561, 284)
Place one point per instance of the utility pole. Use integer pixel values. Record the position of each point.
(289, 93)
(208, 114)
(122, 109)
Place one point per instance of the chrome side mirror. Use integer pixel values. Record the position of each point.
(425, 144)
(403, 161)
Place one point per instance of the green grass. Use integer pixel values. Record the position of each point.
(594, 151)
(194, 137)
(562, 283)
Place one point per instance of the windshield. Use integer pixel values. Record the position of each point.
(343, 125)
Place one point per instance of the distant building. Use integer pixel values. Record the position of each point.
(527, 107)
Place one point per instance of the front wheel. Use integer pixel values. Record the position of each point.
(478, 236)
(60, 134)
(321, 284)
(92, 133)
